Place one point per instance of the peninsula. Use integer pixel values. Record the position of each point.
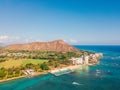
(20, 60)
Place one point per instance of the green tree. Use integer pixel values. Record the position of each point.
(29, 65)
(44, 66)
(63, 56)
(2, 74)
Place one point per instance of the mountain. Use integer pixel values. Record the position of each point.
(57, 45)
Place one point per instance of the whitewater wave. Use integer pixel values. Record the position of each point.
(112, 57)
(76, 83)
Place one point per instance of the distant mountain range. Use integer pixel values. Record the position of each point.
(57, 45)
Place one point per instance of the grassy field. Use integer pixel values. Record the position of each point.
(16, 63)
(36, 61)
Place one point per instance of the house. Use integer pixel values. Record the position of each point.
(29, 72)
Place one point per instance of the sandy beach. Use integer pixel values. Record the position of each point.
(65, 68)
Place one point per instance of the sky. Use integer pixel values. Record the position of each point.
(78, 22)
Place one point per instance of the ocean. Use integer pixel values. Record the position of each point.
(103, 76)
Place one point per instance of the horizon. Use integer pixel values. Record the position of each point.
(83, 22)
(62, 40)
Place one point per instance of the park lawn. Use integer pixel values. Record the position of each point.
(33, 61)
(11, 63)
(16, 63)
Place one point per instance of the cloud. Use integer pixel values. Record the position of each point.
(4, 39)
(73, 41)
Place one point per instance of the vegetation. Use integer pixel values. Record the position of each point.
(12, 63)
(11, 72)
(44, 66)
(33, 61)
(17, 63)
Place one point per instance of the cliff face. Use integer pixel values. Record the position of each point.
(57, 45)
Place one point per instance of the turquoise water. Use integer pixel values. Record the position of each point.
(103, 76)
(62, 72)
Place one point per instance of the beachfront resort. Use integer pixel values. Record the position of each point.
(86, 59)
(77, 63)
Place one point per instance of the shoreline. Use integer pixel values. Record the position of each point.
(72, 68)
(14, 78)
(24, 76)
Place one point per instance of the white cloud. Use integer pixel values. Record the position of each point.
(65, 40)
(73, 41)
(4, 39)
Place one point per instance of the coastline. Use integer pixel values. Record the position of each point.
(14, 78)
(72, 68)
(9, 79)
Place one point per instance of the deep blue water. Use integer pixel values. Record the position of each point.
(103, 76)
